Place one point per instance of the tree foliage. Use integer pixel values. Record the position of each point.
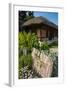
(24, 16)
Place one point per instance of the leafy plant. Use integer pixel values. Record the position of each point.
(27, 41)
(25, 61)
(35, 42)
(44, 46)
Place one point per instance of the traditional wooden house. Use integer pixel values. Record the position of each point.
(44, 28)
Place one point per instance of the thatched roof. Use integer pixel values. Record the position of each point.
(39, 20)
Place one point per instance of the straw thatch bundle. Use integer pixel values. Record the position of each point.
(38, 21)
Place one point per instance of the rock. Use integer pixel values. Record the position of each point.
(42, 64)
(30, 76)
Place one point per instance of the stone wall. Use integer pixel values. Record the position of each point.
(42, 63)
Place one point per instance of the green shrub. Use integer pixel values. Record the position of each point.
(25, 60)
(28, 40)
(44, 46)
(34, 40)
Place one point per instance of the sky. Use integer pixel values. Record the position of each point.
(51, 16)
